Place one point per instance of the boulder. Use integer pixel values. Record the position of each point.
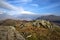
(9, 33)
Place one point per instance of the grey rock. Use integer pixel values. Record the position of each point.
(9, 33)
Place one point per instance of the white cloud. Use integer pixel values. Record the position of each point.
(25, 1)
(14, 9)
(35, 5)
(21, 1)
(27, 12)
(1, 12)
(7, 5)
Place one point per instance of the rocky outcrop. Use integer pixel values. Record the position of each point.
(9, 33)
(30, 30)
(43, 23)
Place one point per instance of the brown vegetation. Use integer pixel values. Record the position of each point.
(35, 30)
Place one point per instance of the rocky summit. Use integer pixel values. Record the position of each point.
(9, 33)
(30, 30)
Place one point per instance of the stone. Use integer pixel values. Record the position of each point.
(9, 33)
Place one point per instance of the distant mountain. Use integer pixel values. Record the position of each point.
(5, 16)
(52, 18)
(27, 17)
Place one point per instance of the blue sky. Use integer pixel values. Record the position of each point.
(42, 7)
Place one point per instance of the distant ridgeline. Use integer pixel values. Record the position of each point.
(34, 30)
(51, 18)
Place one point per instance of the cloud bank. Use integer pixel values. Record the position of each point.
(13, 9)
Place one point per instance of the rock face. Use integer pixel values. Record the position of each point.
(43, 23)
(9, 33)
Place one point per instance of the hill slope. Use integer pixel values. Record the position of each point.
(35, 30)
(9, 33)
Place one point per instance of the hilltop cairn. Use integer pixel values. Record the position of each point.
(9, 33)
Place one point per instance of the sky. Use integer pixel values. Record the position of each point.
(36, 7)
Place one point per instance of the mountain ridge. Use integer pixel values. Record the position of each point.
(51, 18)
